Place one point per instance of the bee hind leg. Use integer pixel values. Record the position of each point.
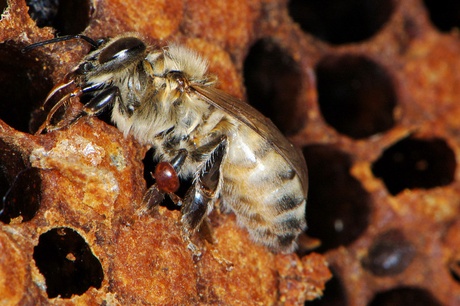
(200, 198)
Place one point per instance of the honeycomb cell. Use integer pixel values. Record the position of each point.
(23, 86)
(340, 22)
(66, 16)
(20, 186)
(355, 95)
(43, 12)
(416, 163)
(338, 206)
(444, 14)
(404, 296)
(67, 263)
(22, 198)
(273, 83)
(390, 254)
(3, 5)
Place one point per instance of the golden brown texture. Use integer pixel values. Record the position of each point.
(374, 108)
(74, 230)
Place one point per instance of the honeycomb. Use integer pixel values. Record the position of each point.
(367, 89)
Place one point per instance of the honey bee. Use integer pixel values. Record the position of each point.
(236, 157)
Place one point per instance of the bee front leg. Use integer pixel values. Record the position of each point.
(98, 103)
(200, 198)
(94, 107)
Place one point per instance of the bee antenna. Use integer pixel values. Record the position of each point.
(92, 42)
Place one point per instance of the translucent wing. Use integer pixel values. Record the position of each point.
(259, 123)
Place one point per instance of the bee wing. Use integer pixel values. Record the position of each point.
(259, 123)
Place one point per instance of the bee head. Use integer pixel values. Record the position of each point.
(113, 55)
(110, 55)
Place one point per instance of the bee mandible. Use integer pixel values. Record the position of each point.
(236, 157)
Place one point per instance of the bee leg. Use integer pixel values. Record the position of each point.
(166, 181)
(200, 198)
(97, 104)
(206, 230)
(63, 101)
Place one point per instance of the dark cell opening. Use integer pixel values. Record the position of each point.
(355, 95)
(404, 296)
(22, 198)
(67, 263)
(24, 85)
(66, 16)
(338, 207)
(334, 294)
(273, 84)
(20, 186)
(416, 163)
(3, 5)
(340, 22)
(390, 254)
(444, 14)
(149, 167)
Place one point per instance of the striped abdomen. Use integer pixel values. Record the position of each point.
(263, 190)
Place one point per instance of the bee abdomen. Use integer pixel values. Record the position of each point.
(266, 196)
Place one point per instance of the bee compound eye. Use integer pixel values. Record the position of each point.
(122, 51)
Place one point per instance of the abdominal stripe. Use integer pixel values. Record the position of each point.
(288, 202)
